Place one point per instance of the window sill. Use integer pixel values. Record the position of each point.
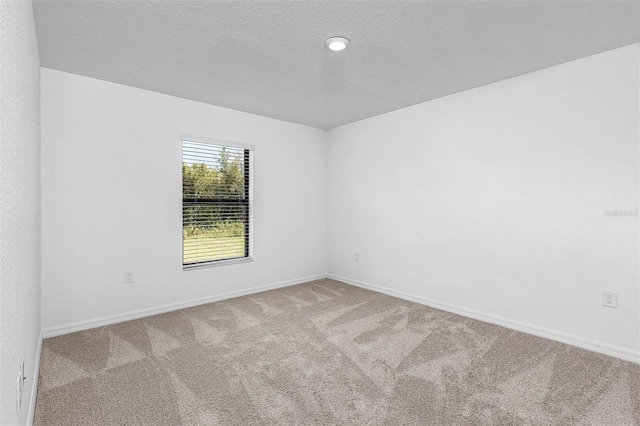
(215, 263)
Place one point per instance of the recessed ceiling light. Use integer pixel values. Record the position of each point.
(337, 43)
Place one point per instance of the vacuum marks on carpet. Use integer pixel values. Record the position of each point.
(326, 353)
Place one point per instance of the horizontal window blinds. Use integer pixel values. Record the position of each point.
(216, 202)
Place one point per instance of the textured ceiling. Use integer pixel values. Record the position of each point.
(268, 57)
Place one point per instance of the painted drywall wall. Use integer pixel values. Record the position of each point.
(19, 206)
(111, 200)
(493, 200)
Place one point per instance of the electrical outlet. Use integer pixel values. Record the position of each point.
(128, 277)
(357, 257)
(20, 386)
(609, 299)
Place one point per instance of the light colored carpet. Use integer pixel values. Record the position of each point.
(326, 353)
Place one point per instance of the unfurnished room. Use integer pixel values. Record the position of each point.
(316, 212)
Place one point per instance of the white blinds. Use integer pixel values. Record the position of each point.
(216, 201)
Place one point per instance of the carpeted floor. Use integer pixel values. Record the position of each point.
(326, 353)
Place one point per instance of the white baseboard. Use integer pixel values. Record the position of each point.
(592, 345)
(113, 319)
(34, 383)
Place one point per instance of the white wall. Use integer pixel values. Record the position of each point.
(19, 206)
(111, 186)
(492, 200)
(488, 202)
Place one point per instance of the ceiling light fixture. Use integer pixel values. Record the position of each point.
(337, 43)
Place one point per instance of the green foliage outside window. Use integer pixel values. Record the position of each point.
(212, 215)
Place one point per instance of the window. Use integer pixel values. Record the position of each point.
(216, 202)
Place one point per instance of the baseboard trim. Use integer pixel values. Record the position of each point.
(34, 386)
(113, 319)
(592, 345)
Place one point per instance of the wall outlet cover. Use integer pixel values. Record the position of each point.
(609, 299)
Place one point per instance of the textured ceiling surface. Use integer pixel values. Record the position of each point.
(268, 57)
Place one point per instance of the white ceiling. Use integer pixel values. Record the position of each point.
(268, 57)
